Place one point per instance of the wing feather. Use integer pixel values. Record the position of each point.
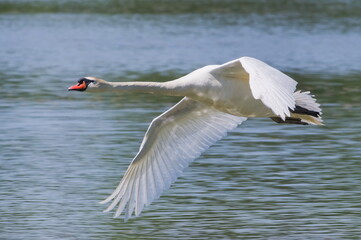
(274, 88)
(172, 141)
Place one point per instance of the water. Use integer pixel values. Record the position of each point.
(61, 152)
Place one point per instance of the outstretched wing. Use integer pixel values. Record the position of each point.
(172, 141)
(274, 88)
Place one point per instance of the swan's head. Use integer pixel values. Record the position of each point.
(87, 83)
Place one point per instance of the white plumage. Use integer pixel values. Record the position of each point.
(172, 141)
(217, 98)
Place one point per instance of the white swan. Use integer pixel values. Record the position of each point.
(217, 98)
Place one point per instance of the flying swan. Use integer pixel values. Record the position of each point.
(217, 98)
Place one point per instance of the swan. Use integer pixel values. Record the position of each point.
(216, 99)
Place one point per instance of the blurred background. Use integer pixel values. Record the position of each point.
(62, 152)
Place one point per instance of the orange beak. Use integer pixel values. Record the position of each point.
(79, 87)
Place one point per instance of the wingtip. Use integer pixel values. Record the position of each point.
(107, 210)
(103, 202)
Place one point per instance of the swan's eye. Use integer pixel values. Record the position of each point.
(87, 81)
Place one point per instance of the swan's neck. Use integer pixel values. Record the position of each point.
(171, 88)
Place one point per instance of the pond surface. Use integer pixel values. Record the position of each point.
(62, 152)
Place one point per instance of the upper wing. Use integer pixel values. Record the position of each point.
(274, 88)
(172, 141)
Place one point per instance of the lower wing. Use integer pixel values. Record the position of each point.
(172, 141)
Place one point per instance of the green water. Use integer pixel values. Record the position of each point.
(62, 152)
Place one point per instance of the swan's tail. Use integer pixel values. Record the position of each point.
(307, 111)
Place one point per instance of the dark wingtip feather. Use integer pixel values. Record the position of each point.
(301, 110)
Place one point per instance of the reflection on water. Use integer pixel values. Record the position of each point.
(62, 152)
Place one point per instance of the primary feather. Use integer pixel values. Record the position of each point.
(172, 141)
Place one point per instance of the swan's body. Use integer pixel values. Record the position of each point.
(217, 98)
